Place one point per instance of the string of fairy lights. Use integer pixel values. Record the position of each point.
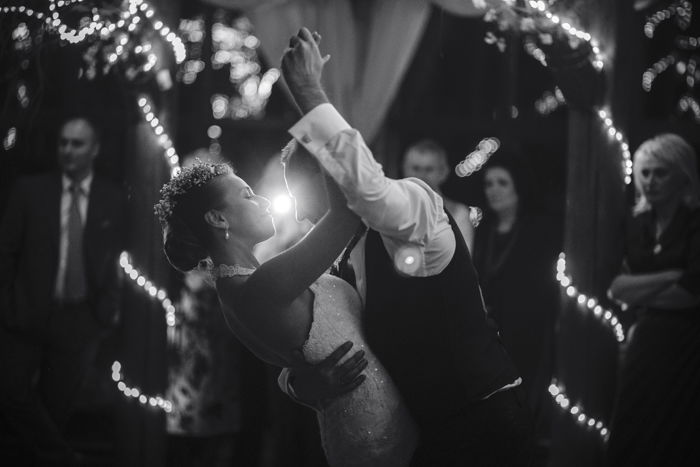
(173, 160)
(683, 58)
(148, 113)
(157, 294)
(135, 393)
(137, 277)
(129, 18)
(681, 10)
(619, 139)
(566, 26)
(586, 303)
(589, 304)
(598, 59)
(661, 65)
(556, 390)
(149, 287)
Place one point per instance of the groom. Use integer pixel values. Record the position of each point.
(423, 313)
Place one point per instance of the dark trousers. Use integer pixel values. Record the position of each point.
(41, 375)
(497, 431)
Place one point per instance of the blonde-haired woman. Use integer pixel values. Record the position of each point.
(657, 416)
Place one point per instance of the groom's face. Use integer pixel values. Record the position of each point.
(305, 185)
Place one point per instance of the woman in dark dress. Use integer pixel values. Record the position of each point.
(514, 254)
(657, 416)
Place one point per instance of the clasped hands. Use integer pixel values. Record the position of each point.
(302, 67)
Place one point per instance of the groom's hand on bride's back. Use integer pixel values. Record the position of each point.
(316, 384)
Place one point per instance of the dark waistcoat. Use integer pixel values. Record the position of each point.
(431, 332)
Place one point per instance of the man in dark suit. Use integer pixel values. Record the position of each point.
(60, 240)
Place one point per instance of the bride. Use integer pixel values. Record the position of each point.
(287, 311)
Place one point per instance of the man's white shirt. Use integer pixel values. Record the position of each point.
(406, 212)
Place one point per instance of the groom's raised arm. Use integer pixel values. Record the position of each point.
(404, 211)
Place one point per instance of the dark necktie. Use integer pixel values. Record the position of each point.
(74, 286)
(345, 270)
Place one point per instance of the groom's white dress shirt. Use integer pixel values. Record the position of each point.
(406, 212)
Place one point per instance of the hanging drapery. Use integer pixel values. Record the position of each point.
(371, 43)
(456, 7)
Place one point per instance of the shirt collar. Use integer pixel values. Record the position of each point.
(84, 183)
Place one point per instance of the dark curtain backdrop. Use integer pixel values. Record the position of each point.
(595, 206)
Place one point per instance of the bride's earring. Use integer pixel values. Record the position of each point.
(227, 235)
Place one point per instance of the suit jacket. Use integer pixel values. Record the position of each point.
(29, 247)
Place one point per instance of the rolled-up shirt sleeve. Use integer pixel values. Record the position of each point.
(405, 211)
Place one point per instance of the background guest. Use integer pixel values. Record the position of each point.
(204, 376)
(60, 239)
(514, 254)
(655, 421)
(427, 161)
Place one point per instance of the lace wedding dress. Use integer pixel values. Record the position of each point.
(370, 426)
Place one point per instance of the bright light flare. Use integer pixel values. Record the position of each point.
(282, 204)
(408, 260)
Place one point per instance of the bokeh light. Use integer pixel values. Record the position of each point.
(408, 259)
(282, 204)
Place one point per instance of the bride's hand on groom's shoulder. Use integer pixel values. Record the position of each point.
(316, 384)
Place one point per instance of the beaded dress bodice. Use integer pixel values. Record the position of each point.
(370, 426)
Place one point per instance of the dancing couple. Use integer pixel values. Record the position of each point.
(429, 384)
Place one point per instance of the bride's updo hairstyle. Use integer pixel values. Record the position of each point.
(183, 202)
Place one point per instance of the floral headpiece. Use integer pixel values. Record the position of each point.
(288, 150)
(194, 176)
